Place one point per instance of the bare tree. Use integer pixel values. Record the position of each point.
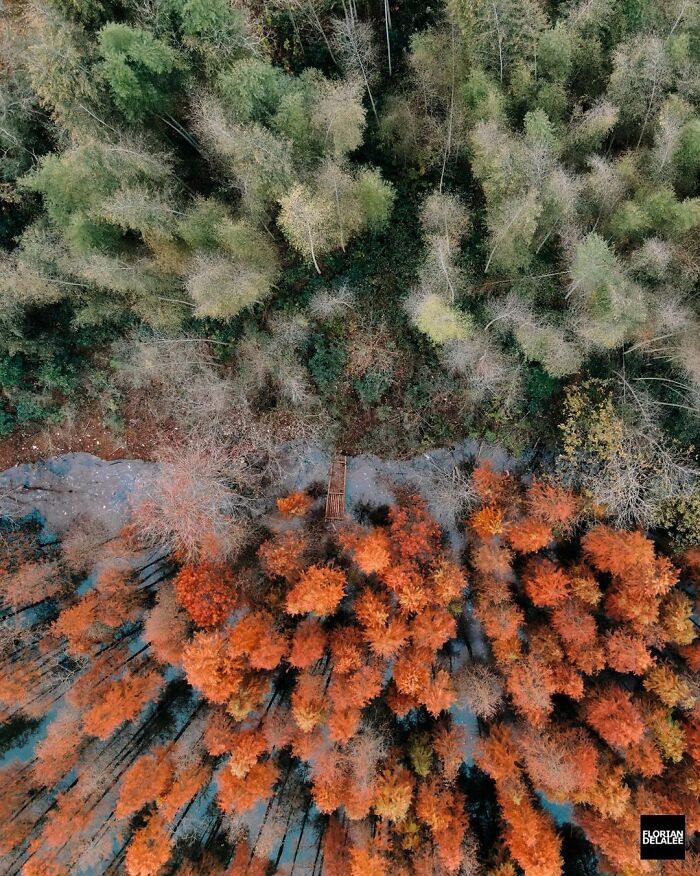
(200, 503)
(487, 370)
(329, 303)
(480, 689)
(630, 467)
(448, 489)
(356, 50)
(180, 380)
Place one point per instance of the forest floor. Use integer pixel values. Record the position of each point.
(64, 487)
(85, 432)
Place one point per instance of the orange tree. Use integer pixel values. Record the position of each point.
(323, 693)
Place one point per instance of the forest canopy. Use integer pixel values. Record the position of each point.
(354, 699)
(239, 233)
(392, 226)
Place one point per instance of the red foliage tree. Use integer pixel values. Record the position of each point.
(432, 628)
(165, 627)
(296, 504)
(450, 745)
(238, 794)
(612, 714)
(491, 558)
(219, 734)
(32, 583)
(119, 600)
(409, 587)
(244, 863)
(488, 521)
(308, 701)
(545, 583)
(367, 862)
(412, 671)
(123, 700)
(371, 550)
(188, 782)
(211, 667)
(384, 632)
(442, 809)
(530, 684)
(616, 551)
(561, 761)
(308, 644)
(17, 818)
(530, 836)
(551, 503)
(283, 555)
(190, 506)
(439, 694)
(644, 757)
(415, 536)
(247, 744)
(149, 850)
(448, 582)
(394, 792)
(529, 534)
(145, 780)
(60, 750)
(627, 652)
(497, 754)
(256, 636)
(491, 485)
(348, 650)
(207, 591)
(335, 849)
(575, 624)
(78, 624)
(319, 589)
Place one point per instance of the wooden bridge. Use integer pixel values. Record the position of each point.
(335, 499)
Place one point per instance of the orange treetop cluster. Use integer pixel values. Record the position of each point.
(334, 671)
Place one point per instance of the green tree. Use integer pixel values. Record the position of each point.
(445, 216)
(22, 124)
(512, 226)
(375, 197)
(139, 69)
(589, 130)
(251, 89)
(75, 185)
(217, 30)
(237, 271)
(305, 220)
(335, 186)
(548, 345)
(259, 161)
(135, 208)
(440, 321)
(641, 77)
(340, 116)
(59, 60)
(221, 287)
(555, 51)
(501, 33)
(609, 306)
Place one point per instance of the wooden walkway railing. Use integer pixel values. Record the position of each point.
(335, 500)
